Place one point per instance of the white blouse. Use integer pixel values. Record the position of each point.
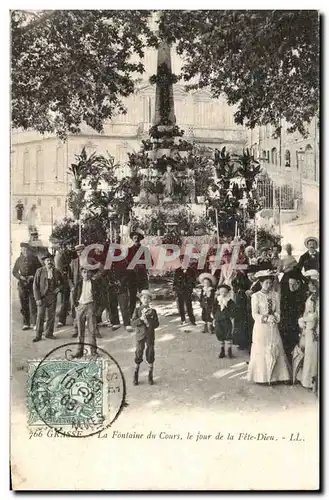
(261, 304)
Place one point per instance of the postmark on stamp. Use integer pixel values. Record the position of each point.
(76, 397)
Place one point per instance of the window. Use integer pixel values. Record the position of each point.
(39, 201)
(268, 130)
(39, 165)
(59, 202)
(274, 156)
(287, 158)
(26, 167)
(268, 155)
(264, 155)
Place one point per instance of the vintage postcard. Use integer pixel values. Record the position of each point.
(165, 265)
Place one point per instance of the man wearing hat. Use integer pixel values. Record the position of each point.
(310, 259)
(24, 271)
(137, 277)
(48, 282)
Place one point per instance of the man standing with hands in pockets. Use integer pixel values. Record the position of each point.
(48, 282)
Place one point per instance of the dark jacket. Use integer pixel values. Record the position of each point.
(141, 329)
(140, 272)
(184, 280)
(227, 313)
(308, 261)
(97, 291)
(207, 301)
(63, 259)
(27, 267)
(40, 283)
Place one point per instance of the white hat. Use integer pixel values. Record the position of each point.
(207, 276)
(146, 292)
(267, 273)
(310, 238)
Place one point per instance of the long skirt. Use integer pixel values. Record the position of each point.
(268, 362)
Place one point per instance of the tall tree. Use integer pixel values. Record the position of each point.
(265, 62)
(74, 66)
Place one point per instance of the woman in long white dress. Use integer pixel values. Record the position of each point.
(268, 362)
(309, 339)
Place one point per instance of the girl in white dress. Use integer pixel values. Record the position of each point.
(268, 362)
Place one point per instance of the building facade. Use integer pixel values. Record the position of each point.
(292, 152)
(39, 164)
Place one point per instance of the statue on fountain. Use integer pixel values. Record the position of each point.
(169, 181)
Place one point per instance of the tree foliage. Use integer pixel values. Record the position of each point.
(74, 66)
(265, 62)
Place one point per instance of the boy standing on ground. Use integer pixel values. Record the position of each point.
(146, 321)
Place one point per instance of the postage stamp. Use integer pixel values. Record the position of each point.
(76, 397)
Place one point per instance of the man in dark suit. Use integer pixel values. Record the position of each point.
(137, 277)
(310, 259)
(24, 271)
(48, 282)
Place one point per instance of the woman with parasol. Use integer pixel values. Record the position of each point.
(268, 362)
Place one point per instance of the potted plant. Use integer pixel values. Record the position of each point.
(184, 148)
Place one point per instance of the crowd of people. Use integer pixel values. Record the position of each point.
(270, 309)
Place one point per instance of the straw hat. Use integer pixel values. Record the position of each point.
(207, 276)
(264, 274)
(310, 238)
